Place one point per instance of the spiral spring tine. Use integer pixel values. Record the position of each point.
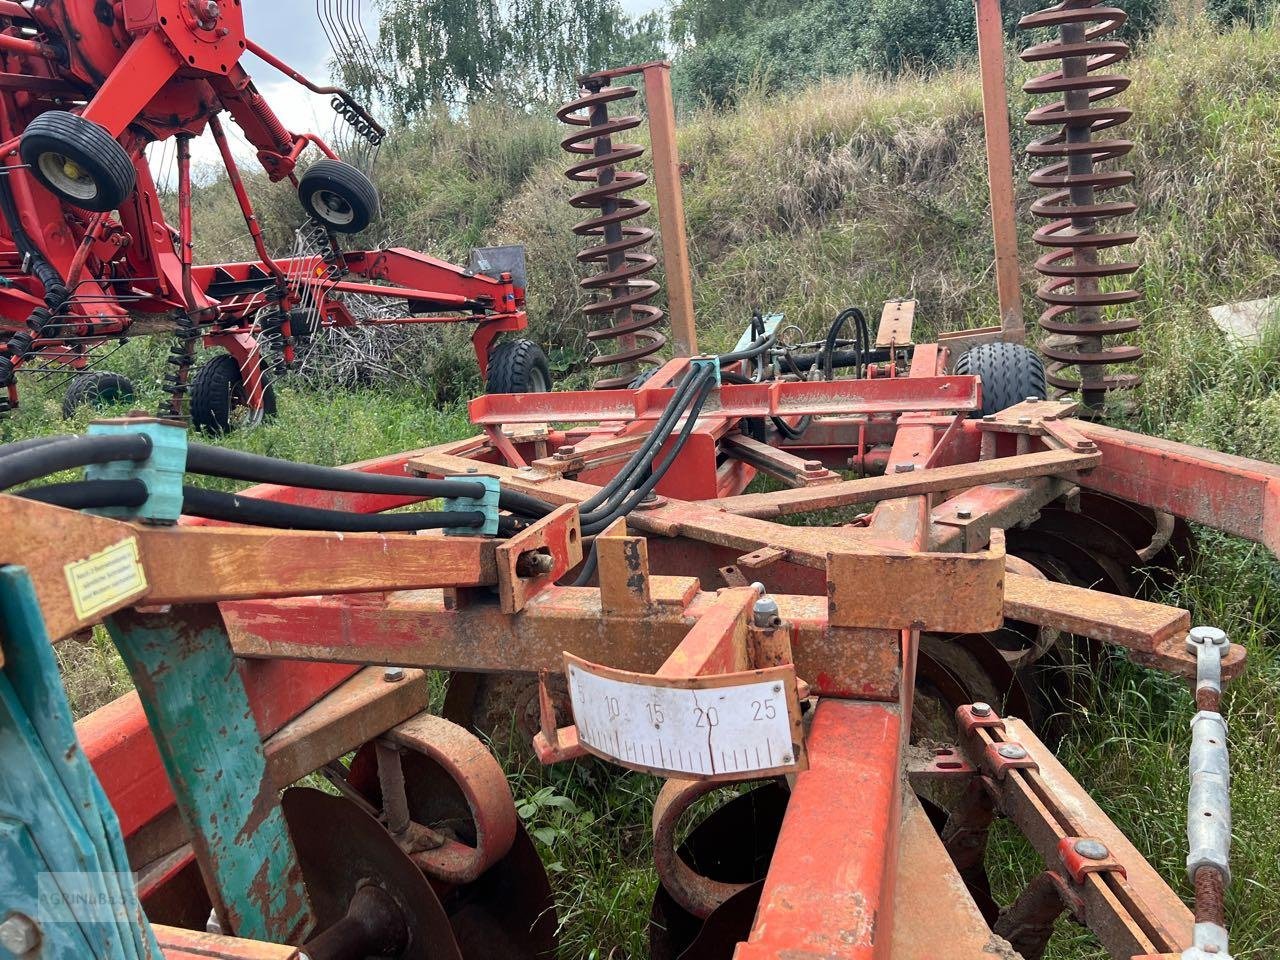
(621, 287)
(1073, 267)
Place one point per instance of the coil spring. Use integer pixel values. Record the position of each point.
(621, 287)
(348, 112)
(177, 376)
(1073, 291)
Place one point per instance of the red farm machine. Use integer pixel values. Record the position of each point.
(88, 257)
(865, 651)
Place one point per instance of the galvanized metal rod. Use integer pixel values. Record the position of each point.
(995, 120)
(671, 224)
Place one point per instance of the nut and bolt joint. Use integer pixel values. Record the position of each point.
(765, 612)
(964, 513)
(904, 468)
(19, 934)
(393, 674)
(1012, 751)
(1092, 849)
(981, 709)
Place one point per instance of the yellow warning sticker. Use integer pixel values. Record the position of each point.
(107, 579)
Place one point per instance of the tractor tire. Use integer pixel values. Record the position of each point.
(338, 196)
(78, 161)
(95, 390)
(518, 366)
(217, 389)
(1010, 374)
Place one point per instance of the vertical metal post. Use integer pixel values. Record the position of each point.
(666, 176)
(995, 119)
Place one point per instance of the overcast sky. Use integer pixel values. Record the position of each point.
(293, 31)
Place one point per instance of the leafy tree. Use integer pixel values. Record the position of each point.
(516, 51)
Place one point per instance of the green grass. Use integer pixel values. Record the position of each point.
(851, 192)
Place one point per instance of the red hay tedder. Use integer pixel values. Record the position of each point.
(86, 252)
(870, 651)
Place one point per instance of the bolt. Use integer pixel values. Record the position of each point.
(904, 467)
(1011, 751)
(1210, 636)
(980, 709)
(1024, 420)
(777, 688)
(786, 758)
(565, 453)
(814, 466)
(765, 612)
(964, 513)
(534, 564)
(526, 469)
(1033, 399)
(1092, 849)
(473, 469)
(989, 418)
(393, 674)
(19, 934)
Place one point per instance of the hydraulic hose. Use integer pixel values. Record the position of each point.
(90, 494)
(40, 461)
(654, 478)
(18, 446)
(596, 508)
(643, 456)
(233, 508)
(238, 465)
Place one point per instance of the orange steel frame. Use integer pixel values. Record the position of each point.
(864, 879)
(859, 871)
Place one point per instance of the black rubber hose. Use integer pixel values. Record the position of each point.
(655, 477)
(90, 494)
(40, 461)
(593, 510)
(215, 505)
(9, 449)
(643, 456)
(238, 465)
(753, 349)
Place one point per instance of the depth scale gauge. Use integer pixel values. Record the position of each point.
(717, 727)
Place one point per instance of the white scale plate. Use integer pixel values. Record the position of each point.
(721, 727)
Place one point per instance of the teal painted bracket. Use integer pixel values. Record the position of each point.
(62, 858)
(162, 472)
(488, 504)
(712, 362)
(198, 709)
(771, 323)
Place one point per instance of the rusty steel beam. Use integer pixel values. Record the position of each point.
(1130, 908)
(995, 119)
(830, 888)
(418, 629)
(779, 398)
(678, 276)
(780, 503)
(1232, 494)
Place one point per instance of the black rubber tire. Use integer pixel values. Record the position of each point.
(217, 388)
(90, 147)
(338, 195)
(96, 389)
(518, 366)
(1010, 374)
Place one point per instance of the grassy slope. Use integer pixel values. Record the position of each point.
(852, 192)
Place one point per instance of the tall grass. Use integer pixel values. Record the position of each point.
(850, 192)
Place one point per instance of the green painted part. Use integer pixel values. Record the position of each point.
(59, 838)
(487, 504)
(198, 710)
(162, 472)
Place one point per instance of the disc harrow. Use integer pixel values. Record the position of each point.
(843, 676)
